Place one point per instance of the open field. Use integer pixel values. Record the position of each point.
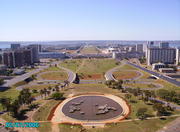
(135, 126)
(11, 93)
(43, 113)
(54, 76)
(168, 86)
(151, 125)
(45, 127)
(140, 85)
(72, 64)
(90, 88)
(52, 68)
(90, 69)
(39, 87)
(90, 50)
(120, 75)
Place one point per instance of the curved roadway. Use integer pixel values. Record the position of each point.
(109, 76)
(168, 79)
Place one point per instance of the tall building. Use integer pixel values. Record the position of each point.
(139, 47)
(18, 58)
(1, 59)
(8, 59)
(150, 44)
(28, 60)
(163, 45)
(35, 52)
(40, 48)
(177, 56)
(15, 46)
(162, 55)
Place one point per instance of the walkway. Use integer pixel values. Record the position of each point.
(174, 126)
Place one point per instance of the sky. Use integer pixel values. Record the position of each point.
(47, 20)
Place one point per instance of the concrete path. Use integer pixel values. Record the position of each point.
(174, 126)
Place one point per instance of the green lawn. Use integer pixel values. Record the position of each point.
(54, 76)
(45, 127)
(127, 67)
(90, 88)
(52, 68)
(168, 86)
(72, 64)
(140, 85)
(43, 112)
(90, 50)
(69, 128)
(119, 75)
(11, 93)
(94, 66)
(90, 69)
(135, 126)
(137, 105)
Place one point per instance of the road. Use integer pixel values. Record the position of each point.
(71, 74)
(168, 79)
(9, 83)
(17, 79)
(109, 74)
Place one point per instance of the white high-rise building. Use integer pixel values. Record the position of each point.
(139, 47)
(35, 52)
(162, 55)
(163, 45)
(177, 56)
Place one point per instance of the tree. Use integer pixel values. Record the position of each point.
(48, 93)
(41, 92)
(45, 91)
(57, 88)
(1, 81)
(128, 96)
(14, 108)
(57, 96)
(25, 96)
(147, 94)
(34, 77)
(34, 91)
(5, 102)
(141, 113)
(161, 110)
(50, 88)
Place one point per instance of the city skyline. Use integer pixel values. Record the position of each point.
(89, 20)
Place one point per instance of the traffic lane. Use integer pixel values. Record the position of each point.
(17, 79)
(157, 74)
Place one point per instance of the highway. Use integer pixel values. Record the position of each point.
(71, 74)
(168, 79)
(17, 79)
(11, 82)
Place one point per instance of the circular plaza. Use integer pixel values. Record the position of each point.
(91, 108)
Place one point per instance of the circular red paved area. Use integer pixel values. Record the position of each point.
(89, 108)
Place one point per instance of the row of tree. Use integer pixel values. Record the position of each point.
(171, 96)
(161, 110)
(114, 84)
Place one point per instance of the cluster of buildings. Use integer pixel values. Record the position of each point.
(125, 51)
(19, 56)
(162, 54)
